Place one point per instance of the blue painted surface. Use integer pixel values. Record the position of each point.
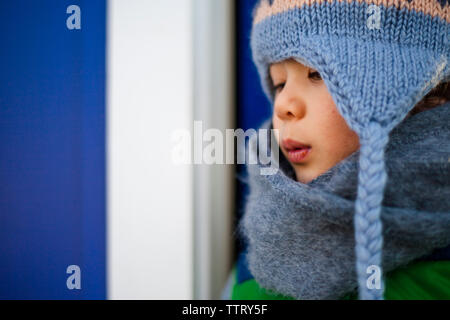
(253, 105)
(52, 150)
(253, 108)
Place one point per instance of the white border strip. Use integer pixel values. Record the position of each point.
(149, 200)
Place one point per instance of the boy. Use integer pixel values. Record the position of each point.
(359, 161)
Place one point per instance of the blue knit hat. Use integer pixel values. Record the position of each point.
(378, 58)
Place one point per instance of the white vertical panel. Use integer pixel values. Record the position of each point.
(150, 250)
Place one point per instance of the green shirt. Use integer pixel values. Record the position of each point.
(422, 280)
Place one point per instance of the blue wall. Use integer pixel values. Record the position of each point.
(52, 149)
(252, 105)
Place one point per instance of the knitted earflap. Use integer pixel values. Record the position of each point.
(375, 72)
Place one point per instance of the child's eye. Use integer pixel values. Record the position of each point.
(279, 87)
(314, 75)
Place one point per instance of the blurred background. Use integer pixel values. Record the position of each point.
(90, 94)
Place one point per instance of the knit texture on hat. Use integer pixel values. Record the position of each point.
(375, 73)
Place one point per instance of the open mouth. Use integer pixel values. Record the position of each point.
(296, 151)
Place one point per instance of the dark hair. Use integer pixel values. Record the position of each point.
(436, 97)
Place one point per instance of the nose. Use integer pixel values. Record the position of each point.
(289, 107)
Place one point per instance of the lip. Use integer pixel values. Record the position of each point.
(296, 151)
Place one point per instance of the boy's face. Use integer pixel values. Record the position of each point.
(304, 112)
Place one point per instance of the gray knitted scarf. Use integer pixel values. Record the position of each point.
(301, 236)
